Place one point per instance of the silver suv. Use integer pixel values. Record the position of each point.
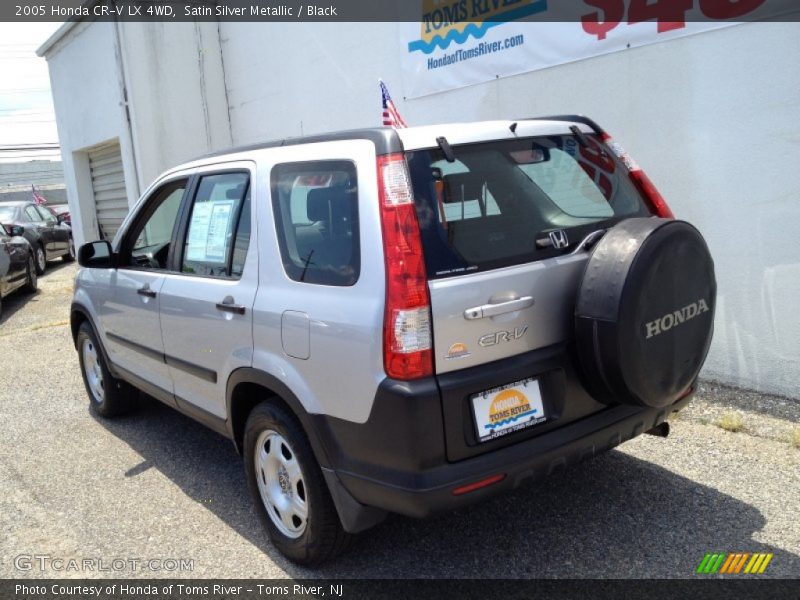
(400, 320)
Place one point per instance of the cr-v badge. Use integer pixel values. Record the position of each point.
(498, 337)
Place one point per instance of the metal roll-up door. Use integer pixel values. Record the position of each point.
(108, 184)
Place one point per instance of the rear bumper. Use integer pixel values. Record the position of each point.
(418, 444)
(431, 490)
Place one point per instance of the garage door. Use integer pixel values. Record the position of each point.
(108, 184)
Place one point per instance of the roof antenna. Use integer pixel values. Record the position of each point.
(513, 127)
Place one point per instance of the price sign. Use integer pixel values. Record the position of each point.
(669, 14)
(524, 35)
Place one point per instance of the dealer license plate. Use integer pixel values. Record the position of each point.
(508, 408)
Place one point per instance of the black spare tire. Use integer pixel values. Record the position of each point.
(644, 315)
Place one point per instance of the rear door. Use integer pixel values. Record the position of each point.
(19, 251)
(14, 252)
(59, 233)
(505, 227)
(502, 228)
(206, 302)
(44, 229)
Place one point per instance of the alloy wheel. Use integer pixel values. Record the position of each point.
(41, 261)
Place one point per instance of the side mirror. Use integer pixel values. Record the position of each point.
(96, 255)
(61, 218)
(13, 230)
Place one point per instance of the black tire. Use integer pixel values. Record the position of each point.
(40, 259)
(118, 397)
(70, 256)
(323, 537)
(644, 317)
(32, 284)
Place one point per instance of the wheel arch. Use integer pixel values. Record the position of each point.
(247, 387)
(77, 316)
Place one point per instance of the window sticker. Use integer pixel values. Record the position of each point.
(208, 232)
(219, 225)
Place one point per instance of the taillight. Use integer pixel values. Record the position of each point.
(407, 339)
(651, 195)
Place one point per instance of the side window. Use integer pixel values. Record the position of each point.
(212, 239)
(149, 241)
(46, 215)
(316, 218)
(32, 213)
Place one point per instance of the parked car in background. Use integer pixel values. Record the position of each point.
(60, 212)
(49, 238)
(17, 266)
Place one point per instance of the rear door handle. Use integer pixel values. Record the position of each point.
(492, 310)
(146, 291)
(227, 305)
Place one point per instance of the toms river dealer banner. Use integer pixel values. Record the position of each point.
(463, 42)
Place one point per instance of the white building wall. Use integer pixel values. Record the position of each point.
(713, 118)
(173, 75)
(170, 76)
(89, 110)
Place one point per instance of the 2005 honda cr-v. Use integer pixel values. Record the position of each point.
(400, 320)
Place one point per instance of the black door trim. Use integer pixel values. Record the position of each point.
(144, 350)
(172, 361)
(191, 368)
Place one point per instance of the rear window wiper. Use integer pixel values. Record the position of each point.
(446, 148)
(582, 139)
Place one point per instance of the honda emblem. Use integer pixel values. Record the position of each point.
(559, 238)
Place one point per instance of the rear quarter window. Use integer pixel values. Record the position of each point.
(316, 219)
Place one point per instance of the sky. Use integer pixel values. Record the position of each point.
(26, 104)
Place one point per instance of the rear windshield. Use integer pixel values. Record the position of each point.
(7, 212)
(489, 207)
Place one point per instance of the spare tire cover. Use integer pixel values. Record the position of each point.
(644, 315)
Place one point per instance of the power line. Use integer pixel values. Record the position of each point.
(53, 172)
(38, 152)
(39, 169)
(25, 112)
(23, 90)
(30, 158)
(50, 173)
(37, 146)
(27, 122)
(36, 178)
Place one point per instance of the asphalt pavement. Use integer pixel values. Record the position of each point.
(155, 490)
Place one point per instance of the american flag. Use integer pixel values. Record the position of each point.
(37, 197)
(391, 118)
